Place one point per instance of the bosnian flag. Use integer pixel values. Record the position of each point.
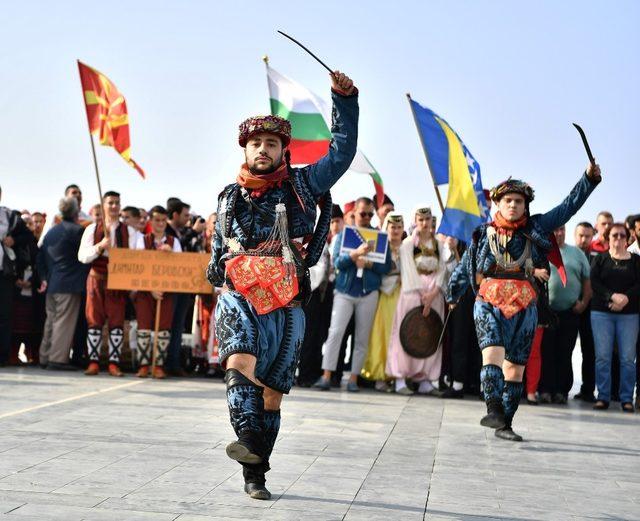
(310, 118)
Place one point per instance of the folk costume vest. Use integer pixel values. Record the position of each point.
(99, 265)
(507, 285)
(268, 255)
(150, 243)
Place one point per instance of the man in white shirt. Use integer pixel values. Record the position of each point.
(147, 301)
(103, 305)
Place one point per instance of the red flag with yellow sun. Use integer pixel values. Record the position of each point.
(107, 112)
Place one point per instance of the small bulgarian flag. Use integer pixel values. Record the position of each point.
(310, 119)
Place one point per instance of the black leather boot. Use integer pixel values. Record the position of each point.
(255, 482)
(246, 410)
(506, 433)
(248, 448)
(495, 414)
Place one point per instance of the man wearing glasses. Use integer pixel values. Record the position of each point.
(353, 294)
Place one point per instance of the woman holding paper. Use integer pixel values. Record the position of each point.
(375, 363)
(425, 264)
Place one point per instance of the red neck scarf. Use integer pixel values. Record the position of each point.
(506, 227)
(260, 184)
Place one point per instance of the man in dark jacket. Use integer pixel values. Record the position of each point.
(190, 240)
(64, 278)
(14, 235)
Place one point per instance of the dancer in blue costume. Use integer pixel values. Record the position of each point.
(267, 226)
(499, 264)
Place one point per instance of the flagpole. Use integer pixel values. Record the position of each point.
(265, 59)
(424, 149)
(95, 165)
(95, 159)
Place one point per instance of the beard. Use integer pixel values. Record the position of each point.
(275, 164)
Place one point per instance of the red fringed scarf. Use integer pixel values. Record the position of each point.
(554, 256)
(506, 227)
(260, 184)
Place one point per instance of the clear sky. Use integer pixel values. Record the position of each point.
(510, 77)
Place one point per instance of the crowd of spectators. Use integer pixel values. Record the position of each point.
(357, 310)
(47, 264)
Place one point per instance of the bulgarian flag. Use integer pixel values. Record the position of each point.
(310, 118)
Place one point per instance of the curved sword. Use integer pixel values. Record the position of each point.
(585, 143)
(312, 55)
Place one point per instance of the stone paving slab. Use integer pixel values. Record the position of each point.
(97, 449)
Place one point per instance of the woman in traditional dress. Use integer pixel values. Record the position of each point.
(374, 365)
(425, 263)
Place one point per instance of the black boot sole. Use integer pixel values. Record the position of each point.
(492, 421)
(238, 452)
(508, 434)
(256, 491)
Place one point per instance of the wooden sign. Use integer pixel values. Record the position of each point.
(149, 270)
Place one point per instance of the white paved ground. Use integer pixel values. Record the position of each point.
(125, 449)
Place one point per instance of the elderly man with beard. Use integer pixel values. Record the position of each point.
(265, 239)
(500, 265)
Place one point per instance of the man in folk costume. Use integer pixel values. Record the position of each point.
(425, 265)
(146, 301)
(104, 305)
(500, 264)
(265, 239)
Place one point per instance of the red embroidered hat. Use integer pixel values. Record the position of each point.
(269, 124)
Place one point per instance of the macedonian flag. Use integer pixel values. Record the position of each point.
(107, 112)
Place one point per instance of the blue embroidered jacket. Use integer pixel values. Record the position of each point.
(478, 258)
(307, 185)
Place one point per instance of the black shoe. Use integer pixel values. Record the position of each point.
(180, 373)
(585, 397)
(494, 418)
(248, 448)
(450, 392)
(627, 407)
(254, 480)
(532, 402)
(506, 433)
(601, 405)
(323, 384)
(257, 491)
(560, 399)
(56, 366)
(545, 398)
(239, 451)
